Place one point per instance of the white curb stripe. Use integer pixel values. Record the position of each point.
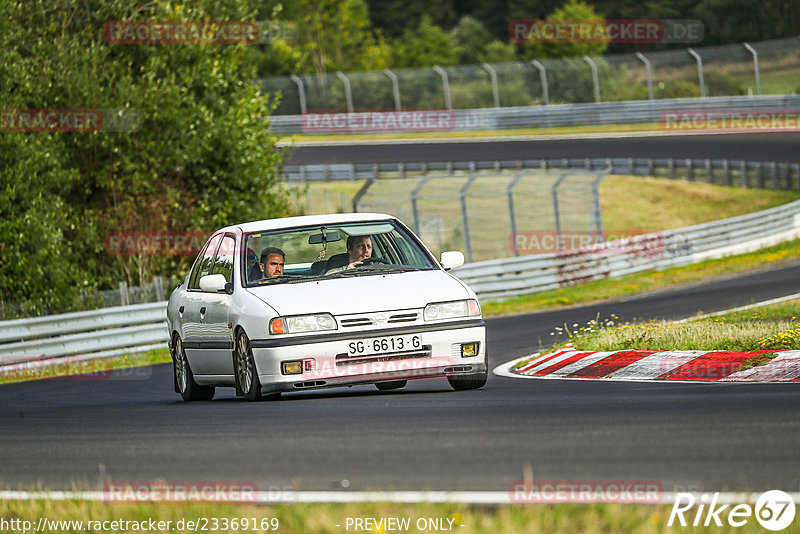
(552, 361)
(783, 368)
(658, 363)
(583, 362)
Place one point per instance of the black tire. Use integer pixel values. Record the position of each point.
(184, 378)
(473, 381)
(245, 368)
(394, 384)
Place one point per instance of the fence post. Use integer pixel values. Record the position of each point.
(361, 192)
(158, 282)
(395, 88)
(543, 79)
(689, 170)
(755, 67)
(647, 73)
(445, 86)
(597, 214)
(699, 60)
(464, 218)
(123, 294)
(743, 165)
(301, 91)
(671, 167)
(708, 171)
(773, 170)
(726, 169)
(414, 196)
(556, 214)
(493, 77)
(511, 214)
(595, 79)
(347, 94)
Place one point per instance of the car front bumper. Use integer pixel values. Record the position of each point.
(325, 362)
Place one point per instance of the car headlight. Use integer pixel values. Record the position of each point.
(451, 310)
(296, 324)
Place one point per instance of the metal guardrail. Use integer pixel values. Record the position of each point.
(496, 279)
(138, 327)
(760, 174)
(77, 333)
(586, 114)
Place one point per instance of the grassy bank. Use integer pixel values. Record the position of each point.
(332, 518)
(771, 327)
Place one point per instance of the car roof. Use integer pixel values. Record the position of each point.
(307, 220)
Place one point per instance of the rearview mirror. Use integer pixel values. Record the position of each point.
(214, 283)
(452, 259)
(324, 237)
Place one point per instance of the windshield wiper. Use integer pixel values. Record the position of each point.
(285, 279)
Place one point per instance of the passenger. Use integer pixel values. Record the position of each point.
(272, 260)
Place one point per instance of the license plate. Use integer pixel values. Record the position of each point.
(383, 345)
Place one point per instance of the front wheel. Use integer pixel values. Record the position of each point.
(184, 378)
(246, 375)
(473, 381)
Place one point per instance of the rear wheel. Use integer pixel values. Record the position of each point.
(394, 384)
(184, 378)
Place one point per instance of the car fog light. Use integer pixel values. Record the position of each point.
(292, 368)
(469, 349)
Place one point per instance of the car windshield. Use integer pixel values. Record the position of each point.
(334, 250)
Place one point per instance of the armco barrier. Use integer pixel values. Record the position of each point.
(120, 329)
(627, 112)
(758, 174)
(497, 279)
(139, 327)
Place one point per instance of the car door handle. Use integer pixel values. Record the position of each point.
(202, 310)
(180, 309)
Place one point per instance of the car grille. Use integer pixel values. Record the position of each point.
(377, 319)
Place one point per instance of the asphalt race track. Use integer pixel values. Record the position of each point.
(132, 427)
(751, 147)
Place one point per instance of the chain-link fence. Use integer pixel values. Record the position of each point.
(768, 67)
(492, 215)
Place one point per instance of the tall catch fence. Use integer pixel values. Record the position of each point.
(762, 68)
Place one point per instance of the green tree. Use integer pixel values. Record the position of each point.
(572, 10)
(424, 46)
(199, 156)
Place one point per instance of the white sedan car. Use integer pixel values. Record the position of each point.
(322, 301)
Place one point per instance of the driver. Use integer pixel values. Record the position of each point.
(359, 248)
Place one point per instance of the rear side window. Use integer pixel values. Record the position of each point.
(202, 264)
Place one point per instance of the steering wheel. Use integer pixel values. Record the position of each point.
(370, 261)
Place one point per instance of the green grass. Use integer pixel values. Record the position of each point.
(324, 518)
(559, 130)
(96, 368)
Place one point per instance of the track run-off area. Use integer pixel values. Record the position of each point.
(81, 433)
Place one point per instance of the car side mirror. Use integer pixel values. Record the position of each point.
(214, 283)
(450, 259)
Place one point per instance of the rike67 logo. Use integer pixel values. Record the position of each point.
(774, 510)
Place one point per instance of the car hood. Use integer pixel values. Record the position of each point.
(359, 294)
